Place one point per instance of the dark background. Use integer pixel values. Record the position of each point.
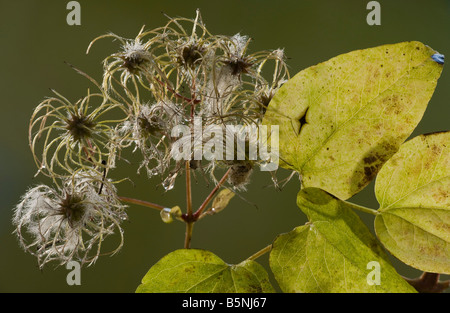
(35, 40)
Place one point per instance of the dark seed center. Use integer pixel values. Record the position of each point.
(72, 208)
(80, 127)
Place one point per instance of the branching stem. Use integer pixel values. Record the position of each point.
(208, 199)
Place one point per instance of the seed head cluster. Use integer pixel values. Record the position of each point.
(168, 76)
(70, 221)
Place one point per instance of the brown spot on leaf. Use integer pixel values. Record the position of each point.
(441, 195)
(376, 73)
(436, 149)
(370, 159)
(369, 171)
(392, 104)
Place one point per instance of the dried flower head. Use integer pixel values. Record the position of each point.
(188, 49)
(149, 130)
(172, 75)
(71, 222)
(235, 57)
(179, 76)
(136, 68)
(188, 73)
(240, 174)
(135, 57)
(66, 136)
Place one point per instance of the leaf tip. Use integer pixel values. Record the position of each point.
(438, 58)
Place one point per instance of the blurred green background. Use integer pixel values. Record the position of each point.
(36, 40)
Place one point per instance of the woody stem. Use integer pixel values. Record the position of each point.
(142, 203)
(188, 190)
(188, 217)
(188, 236)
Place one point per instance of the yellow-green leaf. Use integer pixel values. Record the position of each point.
(341, 120)
(193, 270)
(413, 189)
(334, 252)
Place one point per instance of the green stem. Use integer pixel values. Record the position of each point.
(260, 253)
(362, 208)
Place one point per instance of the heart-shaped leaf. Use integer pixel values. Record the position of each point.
(193, 270)
(341, 120)
(413, 189)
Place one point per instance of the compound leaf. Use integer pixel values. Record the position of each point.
(341, 120)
